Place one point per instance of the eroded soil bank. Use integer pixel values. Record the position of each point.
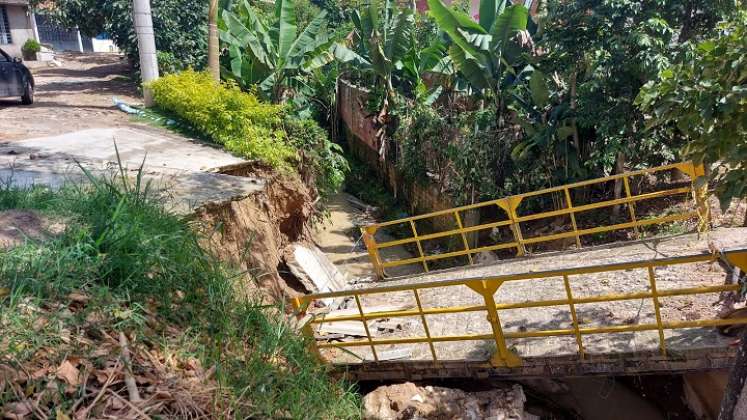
(253, 233)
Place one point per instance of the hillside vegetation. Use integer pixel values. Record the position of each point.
(122, 312)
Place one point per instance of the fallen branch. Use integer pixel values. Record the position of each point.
(129, 379)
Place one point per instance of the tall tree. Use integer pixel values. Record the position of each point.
(213, 47)
(625, 43)
(704, 96)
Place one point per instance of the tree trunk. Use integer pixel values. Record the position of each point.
(213, 41)
(146, 44)
(619, 168)
(734, 403)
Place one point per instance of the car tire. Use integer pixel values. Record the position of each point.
(28, 94)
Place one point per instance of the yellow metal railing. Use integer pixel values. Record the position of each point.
(509, 206)
(486, 288)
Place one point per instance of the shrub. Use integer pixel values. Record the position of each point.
(31, 46)
(226, 115)
(322, 158)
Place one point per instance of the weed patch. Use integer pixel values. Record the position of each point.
(125, 267)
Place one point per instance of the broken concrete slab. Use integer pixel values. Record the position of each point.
(314, 270)
(349, 328)
(179, 169)
(393, 354)
(159, 149)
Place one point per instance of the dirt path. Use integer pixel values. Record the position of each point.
(75, 96)
(338, 237)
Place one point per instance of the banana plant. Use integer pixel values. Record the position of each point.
(484, 52)
(383, 38)
(275, 58)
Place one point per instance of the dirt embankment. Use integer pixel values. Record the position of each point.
(253, 233)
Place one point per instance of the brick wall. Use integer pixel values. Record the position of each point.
(362, 141)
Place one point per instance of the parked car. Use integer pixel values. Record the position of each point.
(15, 79)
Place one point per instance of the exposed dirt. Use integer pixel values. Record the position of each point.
(18, 225)
(338, 236)
(253, 233)
(75, 96)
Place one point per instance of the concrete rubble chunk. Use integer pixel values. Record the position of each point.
(314, 270)
(409, 401)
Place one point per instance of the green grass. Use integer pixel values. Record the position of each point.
(137, 262)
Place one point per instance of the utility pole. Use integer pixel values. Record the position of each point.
(213, 42)
(146, 45)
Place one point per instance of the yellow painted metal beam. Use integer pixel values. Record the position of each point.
(487, 287)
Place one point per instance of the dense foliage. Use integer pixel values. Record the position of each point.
(704, 97)
(548, 111)
(180, 26)
(275, 57)
(226, 115)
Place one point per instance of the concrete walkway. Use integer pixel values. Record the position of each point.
(184, 170)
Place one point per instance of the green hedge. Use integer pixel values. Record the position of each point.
(226, 115)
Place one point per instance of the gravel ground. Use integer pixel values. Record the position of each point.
(599, 314)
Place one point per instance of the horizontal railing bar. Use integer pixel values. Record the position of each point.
(601, 229)
(533, 304)
(700, 257)
(533, 193)
(604, 179)
(603, 204)
(545, 333)
(396, 314)
(415, 260)
(442, 234)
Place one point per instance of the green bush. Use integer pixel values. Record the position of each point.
(321, 157)
(226, 115)
(31, 46)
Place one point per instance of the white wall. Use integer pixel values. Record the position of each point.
(20, 29)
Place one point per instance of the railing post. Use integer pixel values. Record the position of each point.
(365, 327)
(574, 317)
(657, 310)
(569, 203)
(425, 324)
(299, 306)
(503, 357)
(509, 205)
(631, 206)
(420, 247)
(464, 237)
(700, 194)
(373, 251)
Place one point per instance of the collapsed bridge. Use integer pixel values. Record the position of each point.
(658, 303)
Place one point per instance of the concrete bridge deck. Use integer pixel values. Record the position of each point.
(544, 335)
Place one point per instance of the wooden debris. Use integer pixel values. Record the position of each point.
(132, 390)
